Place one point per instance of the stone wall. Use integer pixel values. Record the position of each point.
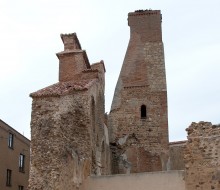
(69, 136)
(140, 144)
(61, 142)
(202, 157)
(138, 124)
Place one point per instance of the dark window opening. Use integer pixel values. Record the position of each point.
(10, 140)
(93, 114)
(21, 162)
(20, 187)
(8, 180)
(143, 112)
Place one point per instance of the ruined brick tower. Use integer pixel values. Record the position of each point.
(138, 123)
(68, 141)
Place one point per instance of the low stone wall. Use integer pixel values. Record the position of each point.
(171, 180)
(202, 156)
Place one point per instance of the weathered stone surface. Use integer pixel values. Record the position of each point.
(202, 156)
(69, 137)
(142, 82)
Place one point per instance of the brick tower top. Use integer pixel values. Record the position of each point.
(146, 23)
(142, 66)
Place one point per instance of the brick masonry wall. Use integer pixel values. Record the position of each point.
(73, 60)
(147, 23)
(146, 139)
(70, 64)
(140, 144)
(202, 157)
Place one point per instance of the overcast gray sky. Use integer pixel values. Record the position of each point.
(30, 37)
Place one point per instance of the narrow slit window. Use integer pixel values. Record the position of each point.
(143, 112)
(10, 140)
(8, 179)
(21, 162)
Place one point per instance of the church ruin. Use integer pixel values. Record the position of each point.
(75, 145)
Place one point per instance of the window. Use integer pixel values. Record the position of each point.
(20, 187)
(143, 112)
(8, 180)
(10, 140)
(21, 162)
(93, 114)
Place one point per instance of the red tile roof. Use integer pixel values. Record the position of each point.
(63, 88)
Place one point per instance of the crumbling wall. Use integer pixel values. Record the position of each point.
(202, 156)
(69, 137)
(141, 82)
(60, 146)
(69, 140)
(139, 145)
(138, 115)
(99, 136)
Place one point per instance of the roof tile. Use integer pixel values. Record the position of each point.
(63, 88)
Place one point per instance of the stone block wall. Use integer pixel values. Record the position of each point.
(202, 157)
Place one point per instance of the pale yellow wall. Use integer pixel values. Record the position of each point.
(171, 180)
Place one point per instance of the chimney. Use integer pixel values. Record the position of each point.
(73, 60)
(70, 41)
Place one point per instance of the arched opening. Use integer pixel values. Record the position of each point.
(143, 112)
